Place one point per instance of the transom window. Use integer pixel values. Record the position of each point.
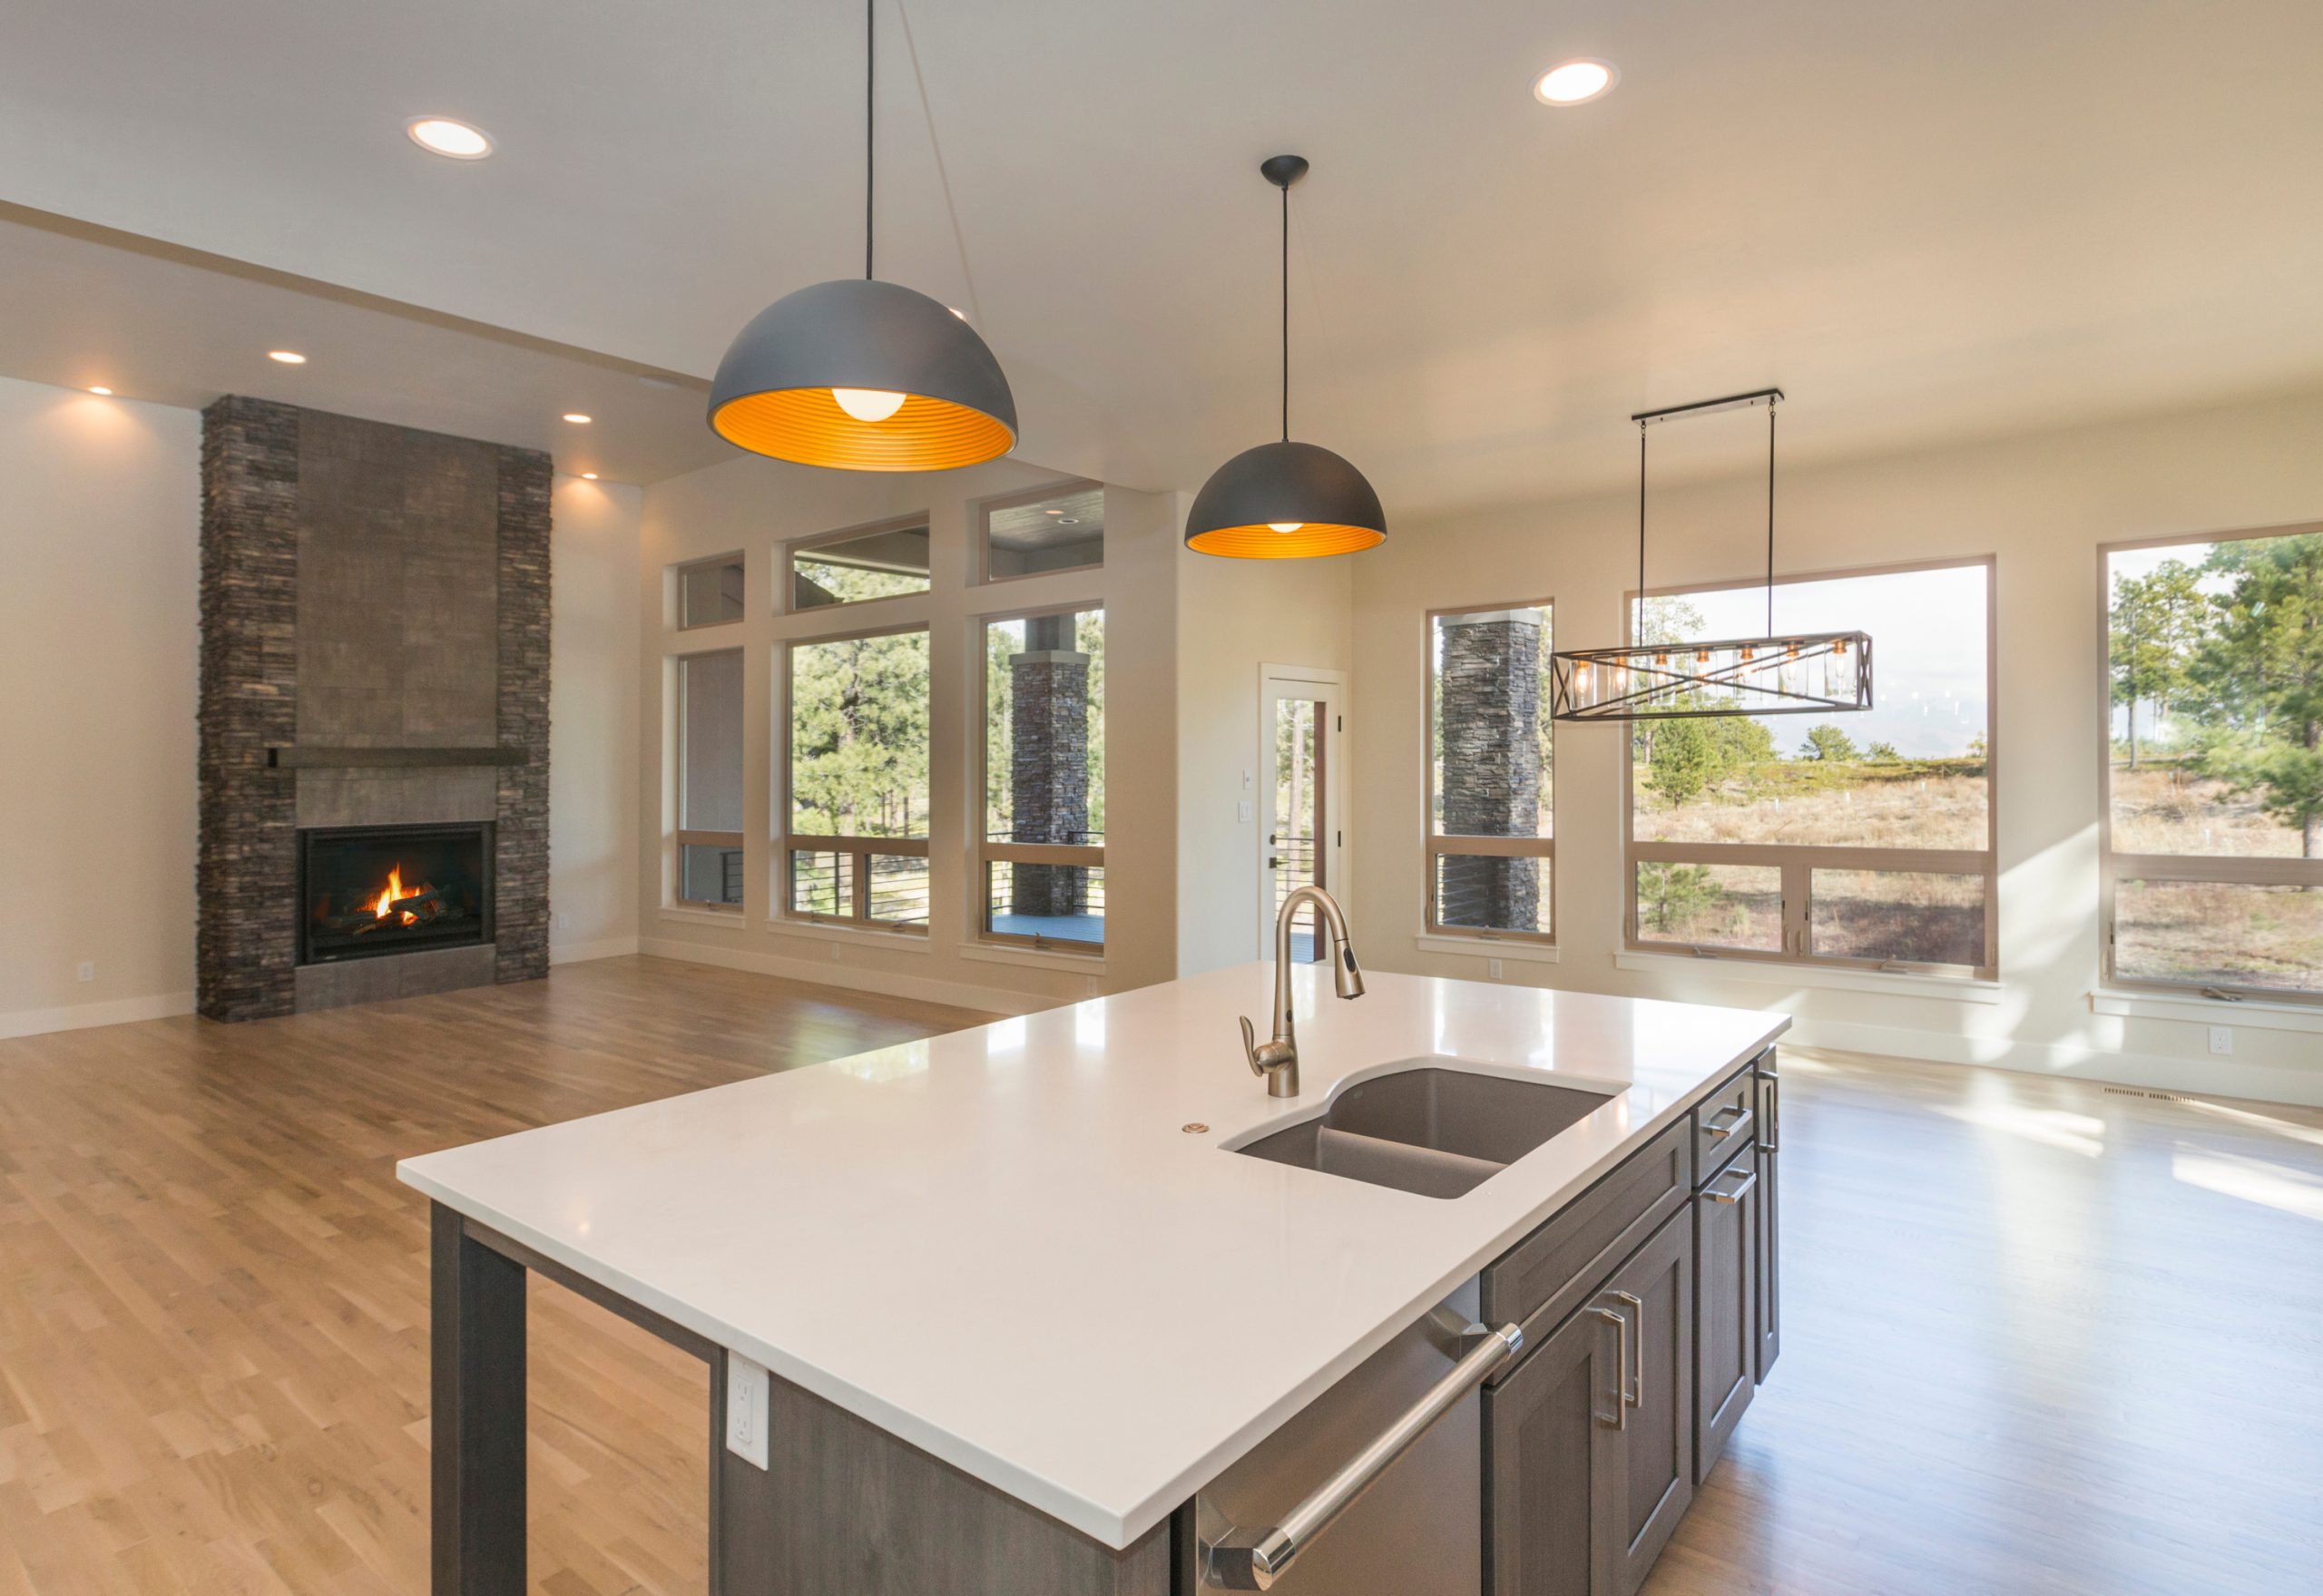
(1042, 854)
(1861, 839)
(710, 591)
(1052, 529)
(1491, 853)
(2213, 859)
(856, 566)
(856, 739)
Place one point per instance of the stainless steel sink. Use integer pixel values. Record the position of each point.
(1427, 1129)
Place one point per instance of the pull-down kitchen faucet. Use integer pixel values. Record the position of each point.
(1277, 1060)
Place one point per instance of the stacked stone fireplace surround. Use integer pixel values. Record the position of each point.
(374, 652)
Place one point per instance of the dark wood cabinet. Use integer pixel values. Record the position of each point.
(1589, 1459)
(1726, 1277)
(1769, 1314)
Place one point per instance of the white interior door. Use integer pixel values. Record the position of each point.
(1302, 819)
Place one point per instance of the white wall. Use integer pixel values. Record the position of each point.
(593, 826)
(100, 569)
(2043, 505)
(100, 541)
(756, 506)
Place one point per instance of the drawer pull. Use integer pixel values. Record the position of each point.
(1720, 1132)
(1741, 1187)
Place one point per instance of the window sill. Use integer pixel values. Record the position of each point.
(1951, 988)
(861, 936)
(1489, 947)
(2256, 1013)
(1033, 958)
(687, 914)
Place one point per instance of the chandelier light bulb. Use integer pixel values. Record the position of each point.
(868, 404)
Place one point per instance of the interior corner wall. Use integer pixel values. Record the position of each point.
(1235, 616)
(758, 506)
(594, 719)
(2042, 505)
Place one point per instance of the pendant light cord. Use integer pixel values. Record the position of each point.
(1770, 517)
(1638, 635)
(1286, 313)
(870, 143)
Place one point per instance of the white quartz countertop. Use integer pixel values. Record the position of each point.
(1000, 1246)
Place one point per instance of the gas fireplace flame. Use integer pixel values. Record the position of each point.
(392, 895)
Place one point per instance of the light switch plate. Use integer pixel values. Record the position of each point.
(1242, 811)
(2222, 1039)
(745, 1409)
(1495, 968)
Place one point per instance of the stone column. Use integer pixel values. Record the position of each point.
(1490, 718)
(1048, 695)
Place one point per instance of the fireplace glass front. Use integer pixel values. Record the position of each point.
(369, 890)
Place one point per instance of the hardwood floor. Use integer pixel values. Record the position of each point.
(2039, 1338)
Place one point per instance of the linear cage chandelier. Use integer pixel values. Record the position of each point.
(1800, 673)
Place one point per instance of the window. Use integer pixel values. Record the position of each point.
(710, 591)
(1863, 839)
(1491, 856)
(856, 848)
(710, 779)
(2213, 871)
(867, 563)
(1042, 854)
(1054, 529)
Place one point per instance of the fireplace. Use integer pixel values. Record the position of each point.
(369, 890)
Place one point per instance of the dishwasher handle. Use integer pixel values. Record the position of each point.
(1253, 1560)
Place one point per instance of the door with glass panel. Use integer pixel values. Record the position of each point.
(1302, 717)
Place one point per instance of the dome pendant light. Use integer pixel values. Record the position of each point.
(865, 376)
(1285, 501)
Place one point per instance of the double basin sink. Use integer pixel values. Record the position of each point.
(1428, 1128)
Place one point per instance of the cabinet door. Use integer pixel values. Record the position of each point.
(1551, 1460)
(1726, 1284)
(1654, 1484)
(1769, 1303)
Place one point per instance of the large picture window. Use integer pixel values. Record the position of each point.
(2213, 864)
(710, 779)
(1491, 856)
(1042, 854)
(1862, 840)
(856, 739)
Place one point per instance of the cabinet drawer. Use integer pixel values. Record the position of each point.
(1725, 1122)
(1551, 1272)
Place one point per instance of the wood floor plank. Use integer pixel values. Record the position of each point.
(2042, 1340)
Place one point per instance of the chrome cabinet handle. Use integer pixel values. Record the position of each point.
(1621, 1419)
(1253, 1560)
(1635, 1398)
(1720, 1132)
(1772, 1104)
(1741, 1188)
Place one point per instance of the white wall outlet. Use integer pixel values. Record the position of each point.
(1495, 968)
(564, 921)
(87, 971)
(2222, 1039)
(745, 1409)
(1242, 811)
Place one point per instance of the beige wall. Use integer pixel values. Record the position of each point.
(100, 539)
(756, 506)
(100, 564)
(2043, 505)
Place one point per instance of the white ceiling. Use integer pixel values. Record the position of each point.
(1926, 222)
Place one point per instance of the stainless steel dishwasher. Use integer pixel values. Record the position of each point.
(1375, 1488)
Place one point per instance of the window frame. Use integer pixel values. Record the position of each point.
(789, 844)
(1432, 842)
(681, 836)
(980, 573)
(2115, 868)
(787, 573)
(678, 622)
(983, 852)
(1799, 861)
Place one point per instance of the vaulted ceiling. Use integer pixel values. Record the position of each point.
(1926, 222)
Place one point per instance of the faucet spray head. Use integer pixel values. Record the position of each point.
(1347, 976)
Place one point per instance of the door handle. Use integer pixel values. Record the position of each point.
(1635, 1397)
(1741, 1188)
(1621, 1419)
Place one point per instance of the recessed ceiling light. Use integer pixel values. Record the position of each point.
(1068, 521)
(1052, 512)
(1575, 83)
(588, 476)
(577, 419)
(287, 357)
(441, 135)
(101, 392)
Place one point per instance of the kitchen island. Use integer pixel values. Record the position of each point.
(988, 1311)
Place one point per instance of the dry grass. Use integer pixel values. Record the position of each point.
(1845, 806)
(2159, 808)
(2210, 931)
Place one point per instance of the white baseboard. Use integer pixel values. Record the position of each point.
(2206, 1077)
(81, 1016)
(575, 952)
(959, 994)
